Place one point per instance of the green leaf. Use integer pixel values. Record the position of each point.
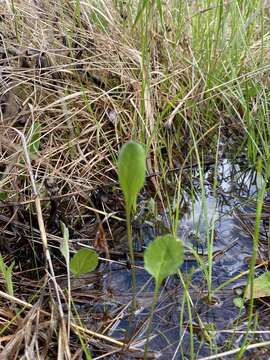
(141, 6)
(64, 248)
(163, 257)
(84, 261)
(238, 302)
(159, 7)
(261, 286)
(7, 274)
(8, 279)
(33, 136)
(3, 195)
(131, 172)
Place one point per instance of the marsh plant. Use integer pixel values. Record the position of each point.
(165, 254)
(162, 258)
(131, 173)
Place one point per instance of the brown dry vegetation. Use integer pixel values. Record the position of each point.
(86, 85)
(83, 87)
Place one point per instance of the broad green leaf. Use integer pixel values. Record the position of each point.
(163, 257)
(131, 172)
(34, 135)
(84, 261)
(261, 286)
(64, 248)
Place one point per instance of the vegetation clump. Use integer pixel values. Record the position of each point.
(188, 82)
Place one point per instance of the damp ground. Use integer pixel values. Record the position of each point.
(230, 208)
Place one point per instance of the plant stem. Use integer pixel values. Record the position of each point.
(149, 328)
(131, 254)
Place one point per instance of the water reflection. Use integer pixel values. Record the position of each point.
(236, 189)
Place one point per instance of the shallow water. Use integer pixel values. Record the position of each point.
(232, 246)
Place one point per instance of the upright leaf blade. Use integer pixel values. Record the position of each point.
(131, 172)
(163, 257)
(7, 274)
(8, 278)
(34, 135)
(64, 248)
(141, 6)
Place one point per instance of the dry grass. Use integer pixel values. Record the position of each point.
(84, 81)
(72, 90)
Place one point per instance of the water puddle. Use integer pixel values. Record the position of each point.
(232, 246)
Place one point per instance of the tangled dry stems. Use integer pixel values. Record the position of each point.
(82, 82)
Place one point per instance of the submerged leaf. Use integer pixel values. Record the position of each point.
(84, 261)
(238, 302)
(131, 172)
(261, 287)
(163, 257)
